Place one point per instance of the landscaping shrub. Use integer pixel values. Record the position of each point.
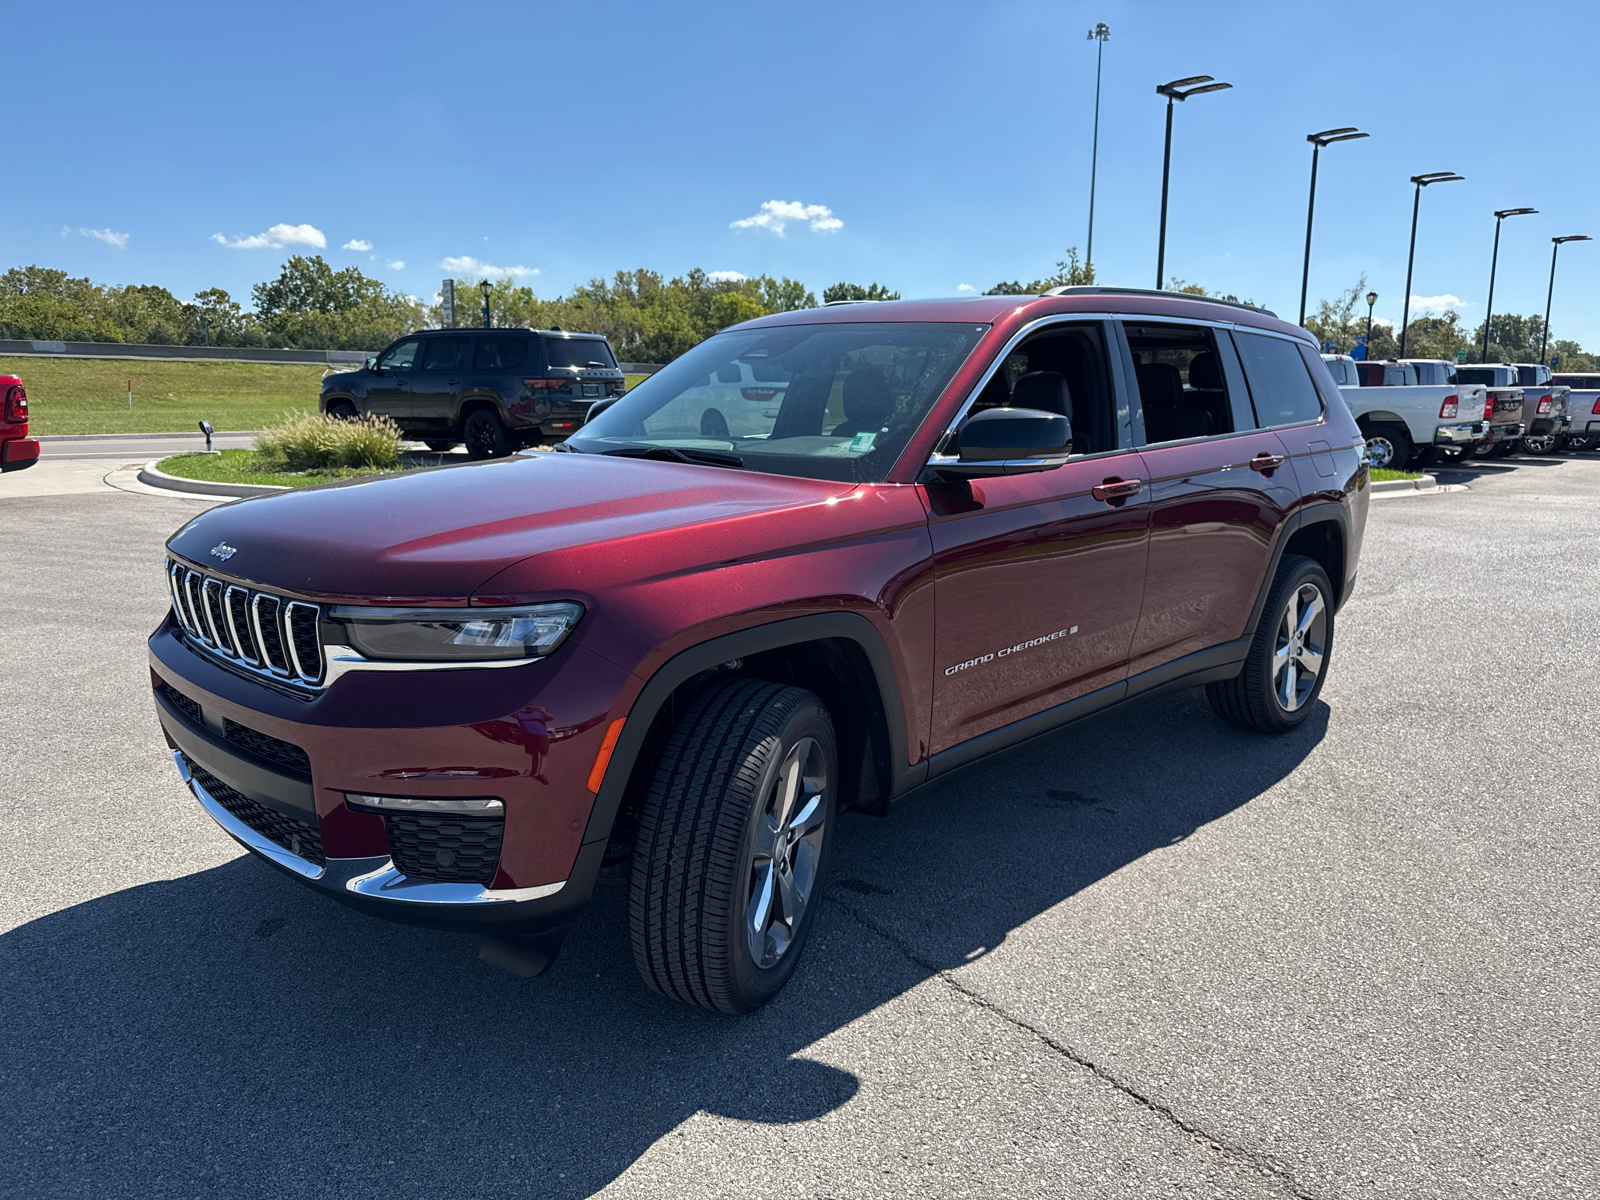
(306, 441)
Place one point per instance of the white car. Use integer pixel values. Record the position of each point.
(1411, 410)
(735, 401)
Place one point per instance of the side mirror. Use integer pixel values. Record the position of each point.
(1009, 441)
(372, 362)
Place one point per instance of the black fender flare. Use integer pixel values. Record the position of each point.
(686, 664)
(1310, 514)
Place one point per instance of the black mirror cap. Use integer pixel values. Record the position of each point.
(998, 434)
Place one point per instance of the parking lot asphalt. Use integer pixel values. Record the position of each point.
(1152, 956)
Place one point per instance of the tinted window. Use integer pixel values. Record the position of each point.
(1182, 387)
(729, 373)
(1280, 383)
(500, 353)
(399, 358)
(1483, 375)
(1033, 375)
(1325, 384)
(578, 352)
(445, 354)
(1343, 372)
(856, 392)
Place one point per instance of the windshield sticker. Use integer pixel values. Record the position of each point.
(1010, 650)
(862, 442)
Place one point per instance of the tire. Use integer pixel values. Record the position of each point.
(1486, 449)
(697, 909)
(1506, 448)
(1424, 457)
(439, 446)
(1388, 446)
(342, 410)
(1577, 445)
(484, 435)
(1255, 698)
(1547, 443)
(713, 424)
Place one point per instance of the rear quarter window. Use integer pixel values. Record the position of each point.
(1280, 381)
(578, 352)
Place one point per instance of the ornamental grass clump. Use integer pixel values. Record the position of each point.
(306, 441)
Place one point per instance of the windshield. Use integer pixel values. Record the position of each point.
(578, 352)
(837, 401)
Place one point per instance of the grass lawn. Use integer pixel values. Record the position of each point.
(86, 395)
(1382, 474)
(246, 466)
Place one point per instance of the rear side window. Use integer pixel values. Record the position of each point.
(1182, 376)
(445, 354)
(578, 352)
(500, 354)
(1280, 382)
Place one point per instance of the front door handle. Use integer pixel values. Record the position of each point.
(1266, 463)
(1113, 490)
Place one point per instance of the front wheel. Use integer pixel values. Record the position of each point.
(732, 841)
(342, 410)
(1288, 658)
(485, 436)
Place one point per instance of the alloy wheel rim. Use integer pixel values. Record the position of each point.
(1538, 444)
(788, 850)
(1380, 452)
(1300, 648)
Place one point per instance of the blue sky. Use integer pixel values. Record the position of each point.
(932, 144)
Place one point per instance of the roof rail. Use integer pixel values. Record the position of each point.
(1093, 290)
(831, 303)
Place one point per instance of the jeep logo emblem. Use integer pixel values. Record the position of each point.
(224, 551)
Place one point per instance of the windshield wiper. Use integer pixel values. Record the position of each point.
(715, 458)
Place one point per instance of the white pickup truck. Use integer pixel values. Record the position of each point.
(1410, 411)
(1583, 410)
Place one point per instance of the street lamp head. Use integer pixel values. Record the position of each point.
(485, 287)
(1436, 177)
(1182, 89)
(1328, 136)
(1101, 31)
(1372, 298)
(1501, 214)
(1572, 237)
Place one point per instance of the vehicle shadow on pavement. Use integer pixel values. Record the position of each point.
(230, 1031)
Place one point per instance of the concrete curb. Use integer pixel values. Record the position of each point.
(141, 437)
(1388, 486)
(153, 477)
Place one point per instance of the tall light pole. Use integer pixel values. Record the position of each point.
(1372, 299)
(487, 289)
(1544, 334)
(1101, 33)
(1318, 140)
(1178, 89)
(1421, 181)
(1494, 262)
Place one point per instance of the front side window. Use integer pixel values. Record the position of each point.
(445, 354)
(400, 356)
(578, 352)
(1060, 369)
(1280, 383)
(1182, 382)
(828, 401)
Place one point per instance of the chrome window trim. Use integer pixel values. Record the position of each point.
(233, 628)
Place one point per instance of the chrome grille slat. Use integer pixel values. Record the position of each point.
(258, 632)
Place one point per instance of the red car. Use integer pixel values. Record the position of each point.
(458, 697)
(17, 449)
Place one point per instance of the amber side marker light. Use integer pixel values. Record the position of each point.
(603, 759)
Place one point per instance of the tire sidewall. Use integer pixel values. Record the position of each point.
(753, 985)
(501, 446)
(1303, 571)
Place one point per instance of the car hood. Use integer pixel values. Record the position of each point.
(436, 536)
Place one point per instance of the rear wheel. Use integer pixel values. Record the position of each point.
(1288, 658)
(1577, 445)
(1542, 443)
(342, 410)
(732, 841)
(485, 436)
(1486, 449)
(1388, 446)
(1424, 457)
(713, 424)
(1506, 448)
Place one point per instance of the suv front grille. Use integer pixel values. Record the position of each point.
(446, 849)
(294, 835)
(255, 631)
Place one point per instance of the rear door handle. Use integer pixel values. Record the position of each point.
(1113, 490)
(1265, 462)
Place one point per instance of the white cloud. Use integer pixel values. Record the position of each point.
(1384, 321)
(964, 288)
(775, 214)
(1437, 303)
(726, 276)
(276, 238)
(109, 236)
(357, 244)
(469, 267)
(397, 265)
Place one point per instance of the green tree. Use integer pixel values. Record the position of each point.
(1511, 339)
(1567, 355)
(854, 291)
(1069, 273)
(312, 306)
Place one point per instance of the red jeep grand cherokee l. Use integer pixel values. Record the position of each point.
(458, 697)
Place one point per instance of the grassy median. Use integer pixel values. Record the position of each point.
(1384, 474)
(90, 395)
(250, 466)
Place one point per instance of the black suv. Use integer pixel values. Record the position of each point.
(495, 389)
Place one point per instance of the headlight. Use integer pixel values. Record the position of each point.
(455, 634)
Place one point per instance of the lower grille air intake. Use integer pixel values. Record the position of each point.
(296, 836)
(447, 849)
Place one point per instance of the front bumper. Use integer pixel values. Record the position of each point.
(18, 453)
(1461, 435)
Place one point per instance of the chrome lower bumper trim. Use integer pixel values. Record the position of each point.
(374, 877)
(1459, 435)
